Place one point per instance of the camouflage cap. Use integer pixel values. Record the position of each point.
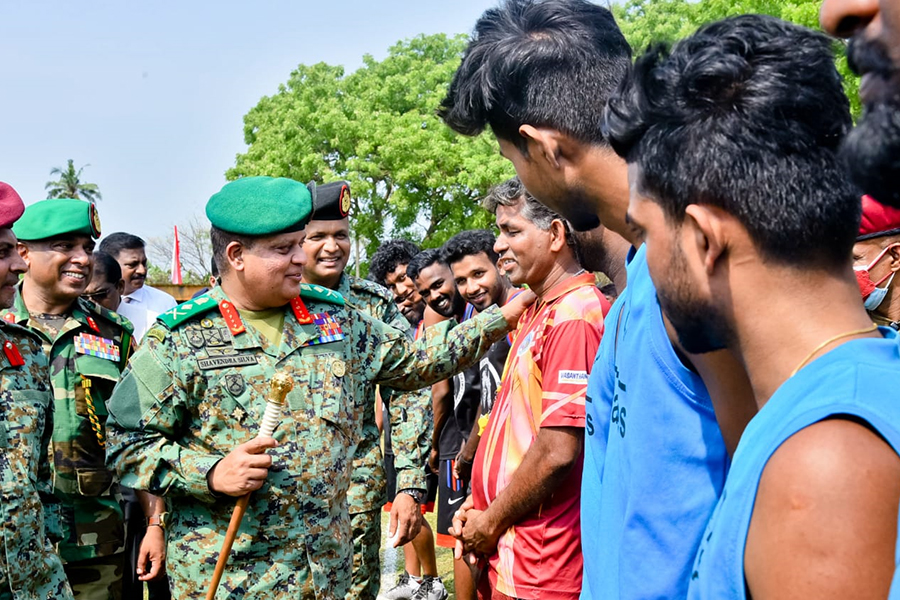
(259, 206)
(11, 205)
(331, 201)
(51, 218)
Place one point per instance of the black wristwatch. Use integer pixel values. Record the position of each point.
(419, 495)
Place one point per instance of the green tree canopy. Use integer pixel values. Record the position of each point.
(411, 176)
(648, 21)
(69, 184)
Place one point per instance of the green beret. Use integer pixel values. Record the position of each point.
(259, 206)
(52, 218)
(331, 202)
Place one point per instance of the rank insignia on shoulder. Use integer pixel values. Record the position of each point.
(329, 329)
(94, 345)
(323, 294)
(12, 354)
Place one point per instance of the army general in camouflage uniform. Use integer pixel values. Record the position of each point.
(87, 348)
(327, 247)
(201, 377)
(29, 565)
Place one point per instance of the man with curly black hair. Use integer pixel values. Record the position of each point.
(388, 268)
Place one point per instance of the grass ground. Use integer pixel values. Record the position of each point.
(392, 559)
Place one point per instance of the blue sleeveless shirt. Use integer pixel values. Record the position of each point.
(857, 378)
(655, 461)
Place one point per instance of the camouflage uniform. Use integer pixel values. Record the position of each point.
(411, 438)
(200, 380)
(29, 566)
(91, 520)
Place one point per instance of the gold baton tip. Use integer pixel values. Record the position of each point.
(281, 385)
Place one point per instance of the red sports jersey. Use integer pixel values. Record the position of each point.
(544, 385)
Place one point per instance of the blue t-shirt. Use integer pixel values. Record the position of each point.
(857, 378)
(655, 461)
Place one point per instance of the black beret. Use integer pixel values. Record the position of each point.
(331, 201)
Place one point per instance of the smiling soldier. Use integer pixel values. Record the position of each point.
(87, 346)
(327, 246)
(184, 421)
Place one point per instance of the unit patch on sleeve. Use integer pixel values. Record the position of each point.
(94, 345)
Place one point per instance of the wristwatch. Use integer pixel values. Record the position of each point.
(419, 495)
(158, 520)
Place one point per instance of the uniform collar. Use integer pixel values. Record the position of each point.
(80, 316)
(294, 334)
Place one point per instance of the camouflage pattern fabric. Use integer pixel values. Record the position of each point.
(410, 412)
(410, 438)
(366, 578)
(194, 391)
(82, 380)
(29, 566)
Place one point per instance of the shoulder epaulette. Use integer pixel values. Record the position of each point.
(16, 329)
(105, 313)
(181, 313)
(370, 287)
(323, 294)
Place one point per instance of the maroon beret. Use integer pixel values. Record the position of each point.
(11, 205)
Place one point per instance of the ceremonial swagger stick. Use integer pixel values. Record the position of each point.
(281, 385)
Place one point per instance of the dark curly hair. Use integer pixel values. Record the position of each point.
(388, 256)
(747, 115)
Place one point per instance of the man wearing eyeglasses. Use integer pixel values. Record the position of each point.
(106, 286)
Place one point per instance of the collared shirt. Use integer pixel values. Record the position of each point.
(544, 384)
(142, 306)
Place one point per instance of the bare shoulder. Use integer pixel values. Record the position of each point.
(824, 522)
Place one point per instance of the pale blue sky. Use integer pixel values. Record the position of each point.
(152, 94)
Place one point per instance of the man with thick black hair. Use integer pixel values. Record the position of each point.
(141, 303)
(538, 73)
(757, 106)
(388, 268)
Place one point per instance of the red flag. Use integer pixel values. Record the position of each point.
(176, 261)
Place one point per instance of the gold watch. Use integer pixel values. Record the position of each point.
(158, 520)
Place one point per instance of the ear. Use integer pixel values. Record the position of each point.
(706, 228)
(894, 253)
(22, 249)
(557, 236)
(120, 286)
(541, 143)
(234, 254)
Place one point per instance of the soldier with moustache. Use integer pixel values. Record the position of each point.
(327, 246)
(185, 418)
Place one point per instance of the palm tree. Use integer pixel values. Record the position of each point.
(69, 185)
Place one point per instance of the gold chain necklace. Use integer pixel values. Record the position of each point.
(803, 362)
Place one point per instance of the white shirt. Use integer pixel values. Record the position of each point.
(142, 306)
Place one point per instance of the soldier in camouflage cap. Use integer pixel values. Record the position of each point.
(28, 510)
(87, 347)
(327, 247)
(201, 377)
